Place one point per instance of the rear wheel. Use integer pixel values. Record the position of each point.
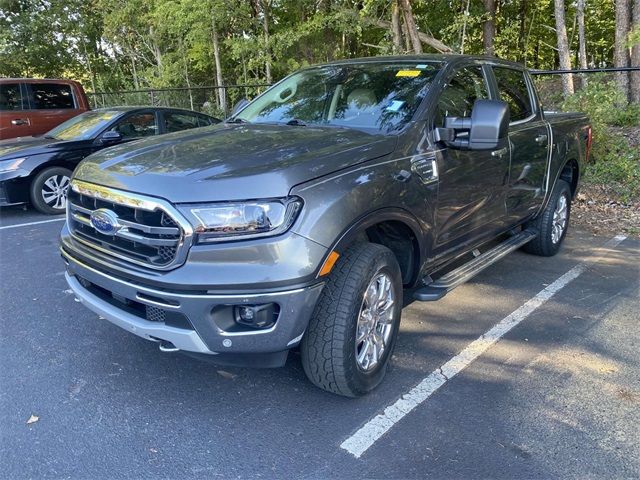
(49, 190)
(552, 223)
(350, 338)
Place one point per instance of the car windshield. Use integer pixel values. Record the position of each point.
(371, 96)
(84, 126)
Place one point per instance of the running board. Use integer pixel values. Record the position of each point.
(443, 285)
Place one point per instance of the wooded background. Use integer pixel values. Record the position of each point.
(135, 44)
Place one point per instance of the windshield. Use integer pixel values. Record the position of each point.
(84, 126)
(378, 96)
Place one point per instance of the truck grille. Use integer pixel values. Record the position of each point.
(148, 232)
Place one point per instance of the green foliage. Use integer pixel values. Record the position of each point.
(617, 166)
(615, 162)
(134, 44)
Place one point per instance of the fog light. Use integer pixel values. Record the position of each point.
(256, 316)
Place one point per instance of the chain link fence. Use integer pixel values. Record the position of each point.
(216, 101)
(549, 82)
(219, 101)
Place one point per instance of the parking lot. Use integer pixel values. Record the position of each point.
(557, 394)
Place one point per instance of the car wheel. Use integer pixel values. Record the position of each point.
(552, 224)
(49, 190)
(350, 338)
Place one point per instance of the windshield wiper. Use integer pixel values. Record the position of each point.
(235, 120)
(50, 137)
(296, 122)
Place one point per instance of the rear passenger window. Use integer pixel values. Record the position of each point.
(174, 122)
(458, 97)
(513, 90)
(49, 96)
(204, 121)
(10, 96)
(137, 126)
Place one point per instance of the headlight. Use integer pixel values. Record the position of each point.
(11, 165)
(228, 221)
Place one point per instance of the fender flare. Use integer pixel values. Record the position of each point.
(362, 223)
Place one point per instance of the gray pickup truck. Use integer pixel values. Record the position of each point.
(302, 220)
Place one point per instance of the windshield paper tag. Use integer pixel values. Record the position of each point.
(408, 73)
(422, 66)
(395, 105)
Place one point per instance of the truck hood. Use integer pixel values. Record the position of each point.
(231, 162)
(30, 146)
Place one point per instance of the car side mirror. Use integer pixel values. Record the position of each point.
(240, 104)
(110, 138)
(485, 130)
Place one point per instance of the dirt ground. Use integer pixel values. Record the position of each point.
(599, 210)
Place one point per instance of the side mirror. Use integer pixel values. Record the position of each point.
(485, 130)
(110, 137)
(240, 104)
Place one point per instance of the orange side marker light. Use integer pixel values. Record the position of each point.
(329, 263)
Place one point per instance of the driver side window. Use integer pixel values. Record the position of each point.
(458, 97)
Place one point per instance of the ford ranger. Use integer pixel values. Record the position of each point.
(302, 220)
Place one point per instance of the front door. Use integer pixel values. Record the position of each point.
(529, 136)
(472, 183)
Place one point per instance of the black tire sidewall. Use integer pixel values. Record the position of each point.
(563, 189)
(35, 190)
(361, 381)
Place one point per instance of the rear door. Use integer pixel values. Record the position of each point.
(14, 121)
(472, 183)
(529, 136)
(50, 104)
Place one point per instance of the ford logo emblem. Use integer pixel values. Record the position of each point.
(105, 221)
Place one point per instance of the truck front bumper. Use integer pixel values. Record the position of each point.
(193, 322)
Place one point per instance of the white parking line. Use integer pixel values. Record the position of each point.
(370, 432)
(6, 227)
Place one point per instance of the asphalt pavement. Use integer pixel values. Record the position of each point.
(558, 394)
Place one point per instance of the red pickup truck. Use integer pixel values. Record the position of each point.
(30, 106)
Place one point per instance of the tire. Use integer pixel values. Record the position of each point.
(548, 241)
(48, 190)
(330, 355)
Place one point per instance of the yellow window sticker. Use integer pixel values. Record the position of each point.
(408, 73)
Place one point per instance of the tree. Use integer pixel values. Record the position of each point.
(635, 52)
(563, 47)
(410, 22)
(621, 50)
(489, 27)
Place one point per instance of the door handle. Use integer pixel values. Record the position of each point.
(19, 121)
(541, 138)
(499, 153)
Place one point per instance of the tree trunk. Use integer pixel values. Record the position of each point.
(635, 56)
(621, 52)
(582, 42)
(563, 47)
(522, 14)
(185, 65)
(216, 56)
(464, 27)
(423, 37)
(396, 30)
(489, 27)
(265, 27)
(405, 34)
(410, 22)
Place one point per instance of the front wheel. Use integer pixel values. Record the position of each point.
(552, 223)
(49, 190)
(350, 338)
